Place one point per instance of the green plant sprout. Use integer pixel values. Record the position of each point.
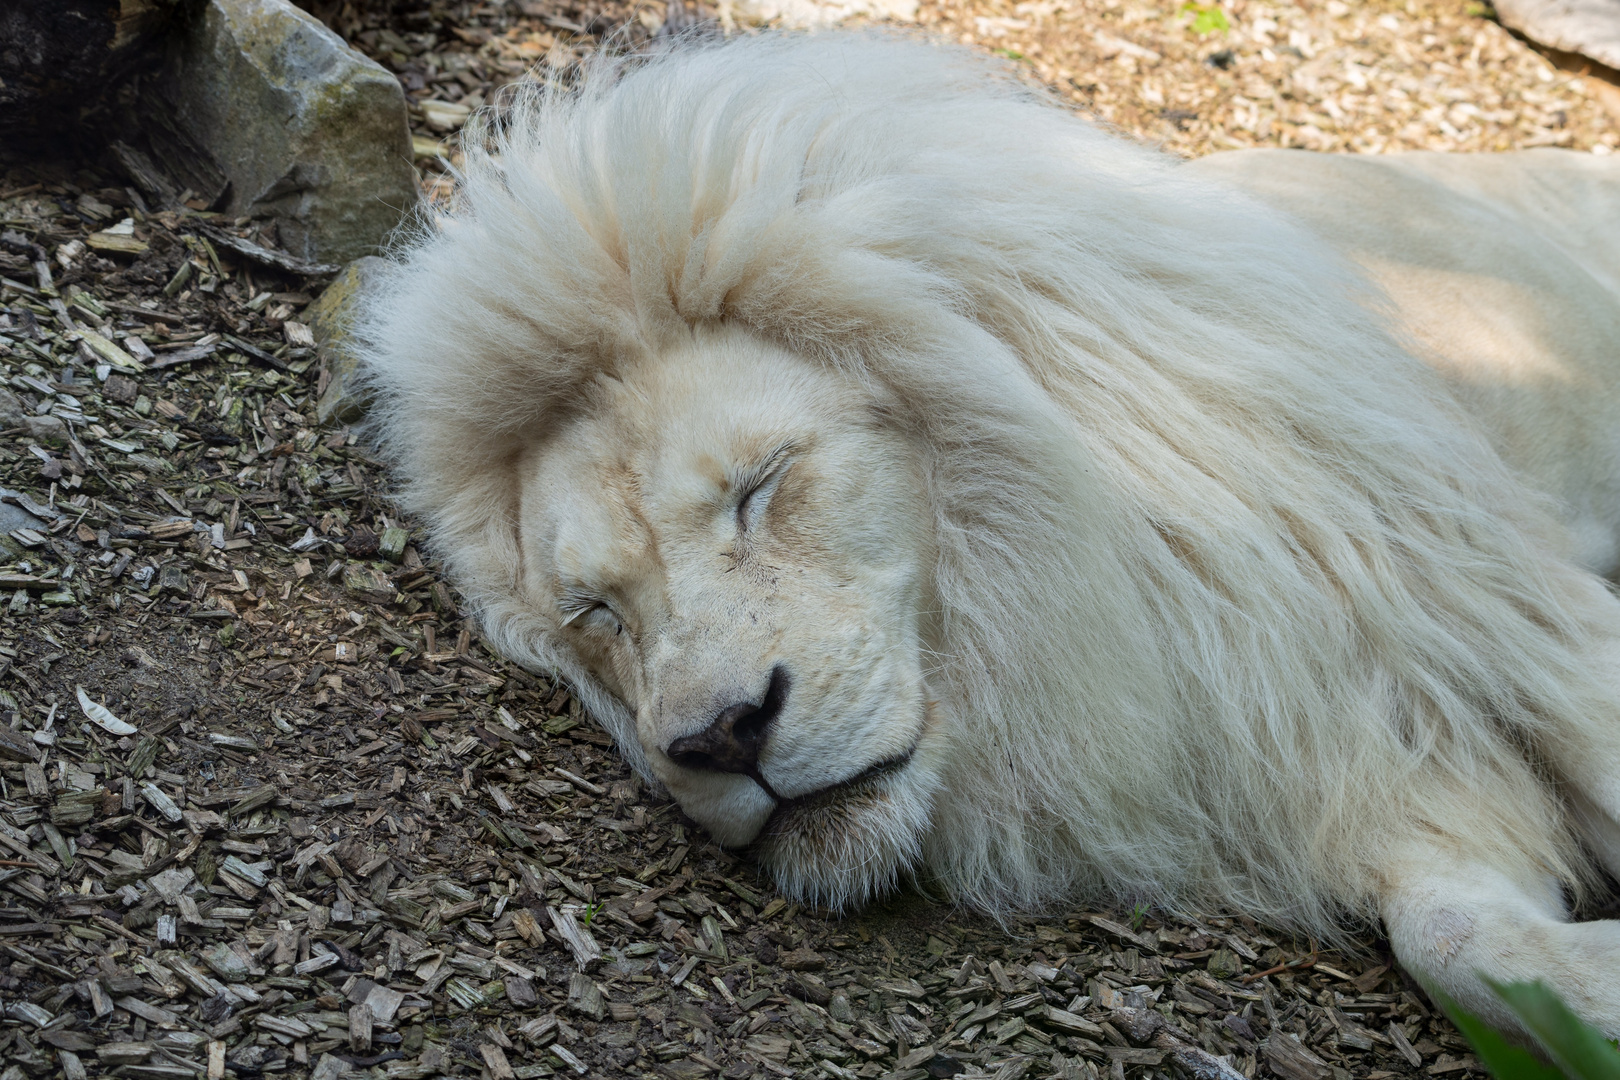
(590, 913)
(1138, 916)
(1207, 18)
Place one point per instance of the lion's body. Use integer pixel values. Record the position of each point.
(1505, 268)
(1106, 522)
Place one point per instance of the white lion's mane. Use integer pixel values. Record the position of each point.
(1229, 591)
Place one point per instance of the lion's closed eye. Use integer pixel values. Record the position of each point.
(758, 486)
(588, 612)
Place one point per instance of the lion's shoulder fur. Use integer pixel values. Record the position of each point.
(1228, 585)
(1505, 271)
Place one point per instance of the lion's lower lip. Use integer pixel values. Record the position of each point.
(833, 792)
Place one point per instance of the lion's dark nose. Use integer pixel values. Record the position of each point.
(735, 737)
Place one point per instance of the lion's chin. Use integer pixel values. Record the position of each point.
(848, 845)
(731, 807)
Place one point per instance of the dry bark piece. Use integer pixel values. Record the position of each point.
(585, 996)
(1070, 1023)
(329, 1067)
(269, 257)
(392, 543)
(159, 800)
(1122, 932)
(495, 1059)
(1397, 1037)
(15, 747)
(127, 1053)
(360, 1020)
(106, 350)
(1224, 964)
(586, 951)
(802, 960)
(361, 544)
(1289, 1058)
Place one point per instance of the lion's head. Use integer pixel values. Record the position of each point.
(910, 474)
(735, 543)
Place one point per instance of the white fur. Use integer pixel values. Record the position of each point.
(1215, 596)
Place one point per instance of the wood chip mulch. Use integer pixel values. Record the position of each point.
(268, 804)
(1373, 77)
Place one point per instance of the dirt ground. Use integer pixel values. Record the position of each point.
(302, 821)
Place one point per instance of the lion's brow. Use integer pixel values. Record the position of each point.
(751, 476)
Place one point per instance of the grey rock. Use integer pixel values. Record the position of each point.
(45, 429)
(12, 517)
(304, 129)
(40, 428)
(12, 412)
(331, 321)
(1588, 27)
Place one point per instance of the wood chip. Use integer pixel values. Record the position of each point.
(579, 940)
(495, 1059)
(360, 1028)
(159, 800)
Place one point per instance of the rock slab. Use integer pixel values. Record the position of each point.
(1588, 27)
(15, 517)
(47, 429)
(305, 130)
(331, 320)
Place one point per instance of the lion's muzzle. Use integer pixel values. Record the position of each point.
(735, 738)
(802, 811)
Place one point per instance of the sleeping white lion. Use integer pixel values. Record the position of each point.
(919, 480)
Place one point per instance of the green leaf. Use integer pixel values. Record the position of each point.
(1580, 1050)
(1504, 1060)
(1207, 18)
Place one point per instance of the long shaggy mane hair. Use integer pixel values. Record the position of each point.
(1229, 593)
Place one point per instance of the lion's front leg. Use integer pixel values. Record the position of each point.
(1456, 920)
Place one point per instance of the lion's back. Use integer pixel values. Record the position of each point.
(1505, 268)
